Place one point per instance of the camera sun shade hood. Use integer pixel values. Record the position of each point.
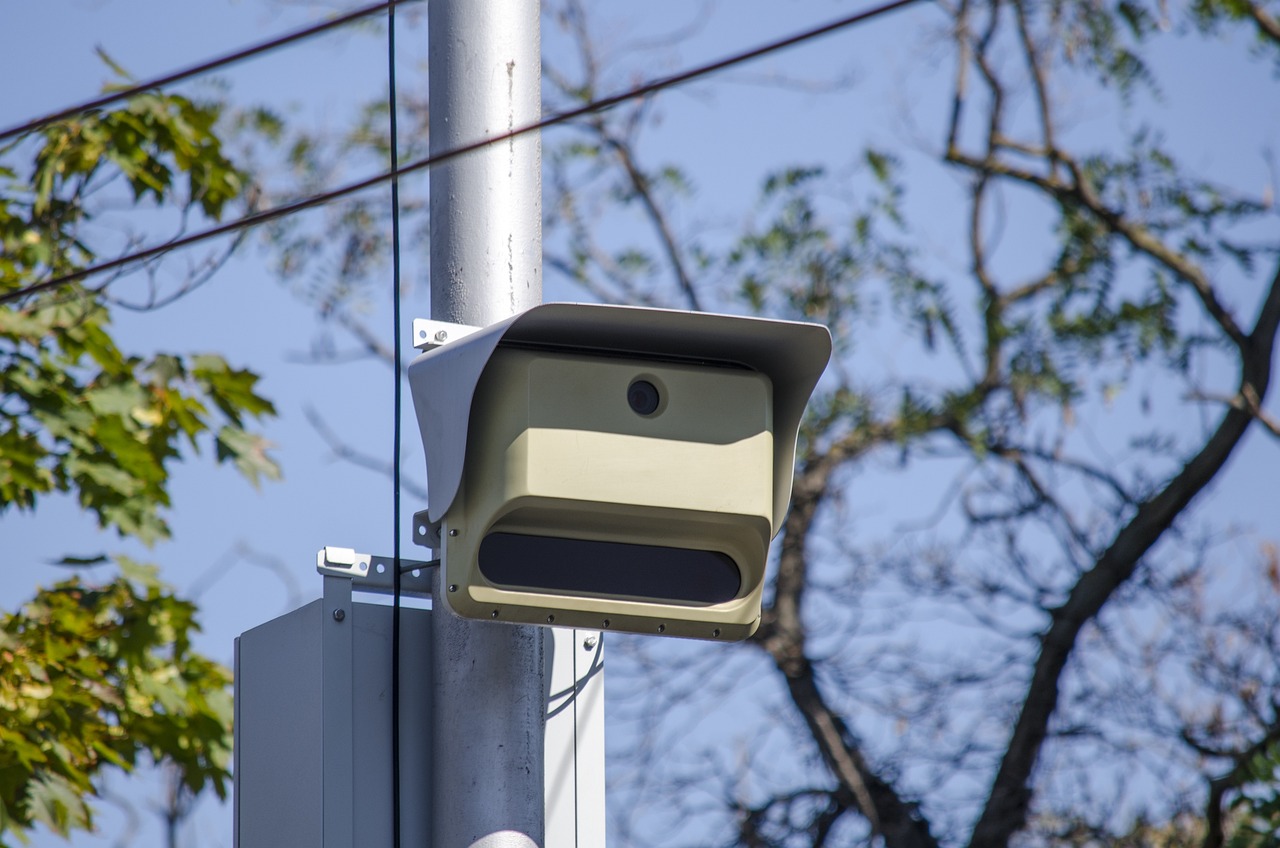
(443, 381)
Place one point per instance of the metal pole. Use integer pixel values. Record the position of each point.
(486, 209)
(486, 264)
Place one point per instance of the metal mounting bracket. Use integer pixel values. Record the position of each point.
(375, 573)
(341, 562)
(425, 532)
(429, 334)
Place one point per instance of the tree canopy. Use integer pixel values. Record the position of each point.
(96, 674)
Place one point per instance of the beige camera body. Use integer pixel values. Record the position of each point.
(613, 468)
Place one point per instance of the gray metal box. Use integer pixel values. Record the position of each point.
(313, 726)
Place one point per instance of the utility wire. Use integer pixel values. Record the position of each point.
(601, 105)
(395, 439)
(202, 68)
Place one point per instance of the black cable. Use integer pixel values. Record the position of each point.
(202, 68)
(395, 439)
(440, 158)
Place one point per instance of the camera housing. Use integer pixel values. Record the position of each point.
(613, 467)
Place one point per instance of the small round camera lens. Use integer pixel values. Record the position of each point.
(643, 397)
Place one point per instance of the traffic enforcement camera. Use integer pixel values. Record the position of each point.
(611, 467)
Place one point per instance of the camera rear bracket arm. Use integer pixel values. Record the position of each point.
(429, 334)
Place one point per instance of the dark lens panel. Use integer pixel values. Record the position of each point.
(555, 564)
(643, 397)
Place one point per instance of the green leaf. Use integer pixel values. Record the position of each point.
(141, 574)
(55, 803)
(80, 562)
(249, 452)
(112, 64)
(119, 400)
(231, 389)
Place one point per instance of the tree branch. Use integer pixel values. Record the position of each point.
(782, 635)
(1244, 403)
(347, 453)
(1036, 69)
(643, 189)
(1238, 776)
(1268, 27)
(1079, 192)
(1009, 801)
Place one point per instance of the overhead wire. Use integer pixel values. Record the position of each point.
(392, 108)
(202, 68)
(565, 116)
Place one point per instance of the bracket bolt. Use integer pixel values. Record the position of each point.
(442, 335)
(339, 614)
(588, 643)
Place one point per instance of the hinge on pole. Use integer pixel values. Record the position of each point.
(428, 334)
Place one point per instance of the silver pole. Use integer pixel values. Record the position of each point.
(486, 208)
(486, 264)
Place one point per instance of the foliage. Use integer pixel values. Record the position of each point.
(78, 414)
(146, 143)
(1257, 807)
(93, 677)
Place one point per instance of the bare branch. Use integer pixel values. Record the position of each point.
(1009, 801)
(243, 552)
(643, 188)
(1035, 66)
(964, 56)
(783, 636)
(1245, 403)
(345, 452)
(196, 277)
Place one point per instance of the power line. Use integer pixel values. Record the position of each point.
(202, 68)
(394, 133)
(601, 105)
